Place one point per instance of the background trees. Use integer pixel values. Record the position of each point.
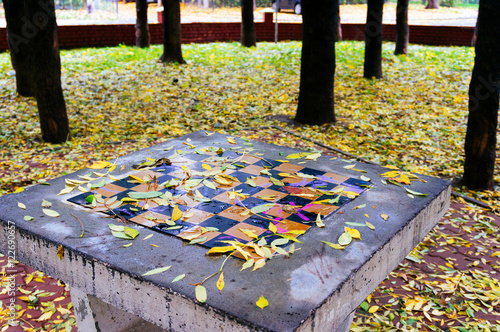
(34, 47)
(317, 69)
(142, 38)
(480, 139)
(247, 24)
(172, 50)
(373, 39)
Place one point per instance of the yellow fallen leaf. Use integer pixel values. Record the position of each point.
(21, 205)
(207, 167)
(201, 293)
(176, 213)
(353, 232)
(384, 216)
(262, 302)
(45, 316)
(373, 309)
(231, 140)
(219, 250)
(220, 282)
(60, 252)
(18, 190)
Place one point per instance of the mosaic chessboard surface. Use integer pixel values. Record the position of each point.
(238, 183)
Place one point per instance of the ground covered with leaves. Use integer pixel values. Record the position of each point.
(122, 99)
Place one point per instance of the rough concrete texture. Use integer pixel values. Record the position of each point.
(314, 290)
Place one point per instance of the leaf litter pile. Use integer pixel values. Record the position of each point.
(414, 119)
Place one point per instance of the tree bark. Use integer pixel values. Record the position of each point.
(17, 36)
(338, 36)
(38, 48)
(480, 139)
(142, 38)
(432, 4)
(172, 49)
(373, 40)
(319, 27)
(402, 28)
(247, 24)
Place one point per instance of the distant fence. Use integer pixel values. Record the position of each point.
(78, 36)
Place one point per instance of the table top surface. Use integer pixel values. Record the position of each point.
(294, 286)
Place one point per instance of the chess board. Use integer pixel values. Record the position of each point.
(210, 196)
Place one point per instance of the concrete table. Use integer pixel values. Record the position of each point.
(317, 289)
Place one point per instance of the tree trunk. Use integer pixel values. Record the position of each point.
(432, 4)
(172, 50)
(247, 24)
(402, 28)
(19, 46)
(38, 48)
(373, 40)
(338, 36)
(319, 27)
(142, 38)
(480, 139)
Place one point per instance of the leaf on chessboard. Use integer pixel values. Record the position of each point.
(201, 293)
(345, 239)
(156, 271)
(319, 222)
(259, 264)
(364, 178)
(273, 228)
(222, 180)
(198, 240)
(207, 167)
(279, 242)
(276, 182)
(267, 252)
(249, 232)
(280, 251)
(265, 171)
(219, 250)
(98, 184)
(262, 208)
(262, 302)
(333, 245)
(220, 282)
(250, 182)
(144, 195)
(176, 213)
(296, 232)
(209, 184)
(247, 264)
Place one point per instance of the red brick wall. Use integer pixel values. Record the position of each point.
(112, 35)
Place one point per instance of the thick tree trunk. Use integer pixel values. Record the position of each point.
(402, 28)
(319, 27)
(373, 40)
(142, 38)
(172, 50)
(247, 24)
(18, 34)
(38, 48)
(480, 140)
(432, 4)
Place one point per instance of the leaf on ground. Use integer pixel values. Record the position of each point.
(176, 213)
(157, 270)
(333, 245)
(179, 277)
(201, 293)
(262, 302)
(21, 205)
(51, 213)
(220, 282)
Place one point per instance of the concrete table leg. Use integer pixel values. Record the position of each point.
(94, 315)
(345, 326)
